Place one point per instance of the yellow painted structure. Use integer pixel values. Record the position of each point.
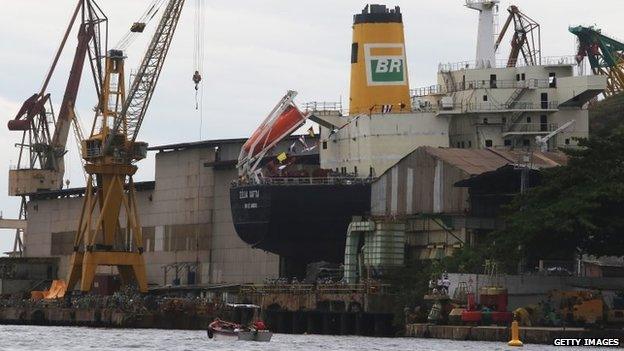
(379, 76)
(100, 239)
(515, 335)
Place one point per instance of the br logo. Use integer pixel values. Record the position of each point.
(385, 64)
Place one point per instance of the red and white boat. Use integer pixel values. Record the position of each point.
(221, 328)
(256, 331)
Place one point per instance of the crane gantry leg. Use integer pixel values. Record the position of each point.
(110, 187)
(103, 243)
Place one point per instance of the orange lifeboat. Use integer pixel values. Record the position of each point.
(284, 124)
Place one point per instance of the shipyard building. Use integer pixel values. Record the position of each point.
(404, 173)
(186, 220)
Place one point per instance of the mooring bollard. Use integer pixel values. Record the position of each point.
(515, 335)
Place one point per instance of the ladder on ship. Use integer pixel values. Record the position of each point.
(514, 98)
(449, 81)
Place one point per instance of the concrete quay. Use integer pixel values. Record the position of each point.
(528, 335)
(94, 317)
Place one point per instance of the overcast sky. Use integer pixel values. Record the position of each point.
(254, 52)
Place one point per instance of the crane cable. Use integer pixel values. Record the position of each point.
(139, 26)
(198, 50)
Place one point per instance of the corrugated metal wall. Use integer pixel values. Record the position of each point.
(419, 183)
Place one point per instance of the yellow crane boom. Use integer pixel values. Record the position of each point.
(110, 153)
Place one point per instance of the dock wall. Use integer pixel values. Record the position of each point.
(530, 289)
(528, 335)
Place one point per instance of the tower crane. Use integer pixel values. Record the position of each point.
(110, 153)
(605, 55)
(526, 39)
(41, 151)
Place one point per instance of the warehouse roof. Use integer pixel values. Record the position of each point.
(69, 192)
(208, 143)
(477, 161)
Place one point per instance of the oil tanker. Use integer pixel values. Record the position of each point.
(301, 211)
(300, 208)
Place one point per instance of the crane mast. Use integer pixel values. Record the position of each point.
(605, 55)
(145, 80)
(110, 153)
(41, 156)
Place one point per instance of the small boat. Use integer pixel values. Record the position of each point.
(255, 335)
(255, 331)
(220, 327)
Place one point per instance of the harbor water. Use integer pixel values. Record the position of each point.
(95, 339)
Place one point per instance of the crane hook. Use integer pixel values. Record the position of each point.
(197, 79)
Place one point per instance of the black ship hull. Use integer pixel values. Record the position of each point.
(300, 222)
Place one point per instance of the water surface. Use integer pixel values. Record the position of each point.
(95, 339)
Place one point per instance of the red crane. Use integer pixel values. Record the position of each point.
(41, 151)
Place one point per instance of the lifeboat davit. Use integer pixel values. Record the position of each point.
(289, 120)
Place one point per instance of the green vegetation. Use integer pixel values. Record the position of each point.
(578, 206)
(606, 115)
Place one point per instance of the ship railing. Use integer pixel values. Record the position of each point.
(430, 90)
(531, 127)
(502, 63)
(301, 288)
(519, 105)
(323, 106)
(481, 84)
(304, 181)
(295, 288)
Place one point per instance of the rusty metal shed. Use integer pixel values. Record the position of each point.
(424, 180)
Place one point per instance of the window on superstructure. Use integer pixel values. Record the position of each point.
(324, 145)
(485, 98)
(552, 80)
(354, 52)
(526, 142)
(507, 142)
(462, 145)
(544, 98)
(469, 143)
(488, 143)
(543, 123)
(355, 170)
(528, 119)
(493, 81)
(567, 141)
(518, 77)
(523, 76)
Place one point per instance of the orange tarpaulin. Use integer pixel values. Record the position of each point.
(57, 291)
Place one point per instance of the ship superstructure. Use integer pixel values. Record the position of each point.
(484, 103)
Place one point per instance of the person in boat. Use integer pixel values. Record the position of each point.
(258, 325)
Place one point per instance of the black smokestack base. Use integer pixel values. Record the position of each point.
(378, 14)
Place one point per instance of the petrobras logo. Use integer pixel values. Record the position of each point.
(385, 64)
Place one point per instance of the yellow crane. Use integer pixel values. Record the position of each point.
(111, 152)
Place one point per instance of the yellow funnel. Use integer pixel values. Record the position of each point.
(379, 82)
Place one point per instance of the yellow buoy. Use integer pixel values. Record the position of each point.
(515, 335)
